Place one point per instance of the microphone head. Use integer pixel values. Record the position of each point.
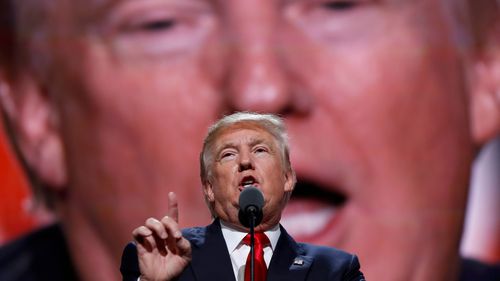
(251, 202)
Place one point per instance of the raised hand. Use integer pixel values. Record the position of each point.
(162, 251)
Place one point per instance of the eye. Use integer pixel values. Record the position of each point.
(228, 154)
(157, 25)
(337, 23)
(151, 24)
(146, 29)
(339, 5)
(261, 149)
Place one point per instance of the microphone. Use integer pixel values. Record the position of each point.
(251, 203)
(250, 215)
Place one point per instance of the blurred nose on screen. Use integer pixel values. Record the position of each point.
(257, 77)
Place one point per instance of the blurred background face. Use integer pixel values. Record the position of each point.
(372, 92)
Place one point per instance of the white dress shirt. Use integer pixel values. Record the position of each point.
(238, 251)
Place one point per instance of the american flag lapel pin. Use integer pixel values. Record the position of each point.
(298, 261)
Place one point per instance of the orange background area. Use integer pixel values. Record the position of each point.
(16, 217)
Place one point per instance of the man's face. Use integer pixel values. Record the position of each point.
(247, 155)
(372, 93)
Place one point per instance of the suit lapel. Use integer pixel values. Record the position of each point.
(211, 259)
(289, 261)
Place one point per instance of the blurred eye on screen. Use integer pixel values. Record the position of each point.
(330, 19)
(157, 25)
(339, 5)
(152, 28)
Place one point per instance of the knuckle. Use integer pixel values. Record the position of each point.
(151, 221)
(141, 230)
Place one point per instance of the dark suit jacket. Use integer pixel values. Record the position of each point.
(473, 270)
(291, 261)
(39, 256)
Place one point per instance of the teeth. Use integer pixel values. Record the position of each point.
(316, 221)
(248, 182)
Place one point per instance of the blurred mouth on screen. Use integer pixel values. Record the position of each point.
(312, 212)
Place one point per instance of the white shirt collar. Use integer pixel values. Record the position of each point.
(233, 237)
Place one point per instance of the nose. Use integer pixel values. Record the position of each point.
(257, 78)
(245, 162)
(245, 166)
(257, 82)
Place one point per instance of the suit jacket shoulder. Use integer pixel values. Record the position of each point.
(335, 263)
(472, 270)
(40, 255)
(302, 261)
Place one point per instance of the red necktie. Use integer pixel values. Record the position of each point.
(261, 241)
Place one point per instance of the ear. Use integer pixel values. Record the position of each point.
(290, 180)
(209, 192)
(485, 99)
(34, 126)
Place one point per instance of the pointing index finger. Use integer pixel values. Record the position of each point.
(173, 208)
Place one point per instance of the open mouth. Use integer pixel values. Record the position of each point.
(312, 211)
(248, 181)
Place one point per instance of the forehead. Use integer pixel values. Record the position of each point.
(242, 132)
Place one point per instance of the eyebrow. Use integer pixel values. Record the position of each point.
(100, 5)
(253, 142)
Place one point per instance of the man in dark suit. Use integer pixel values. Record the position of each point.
(242, 150)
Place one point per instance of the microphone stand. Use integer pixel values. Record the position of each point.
(252, 241)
